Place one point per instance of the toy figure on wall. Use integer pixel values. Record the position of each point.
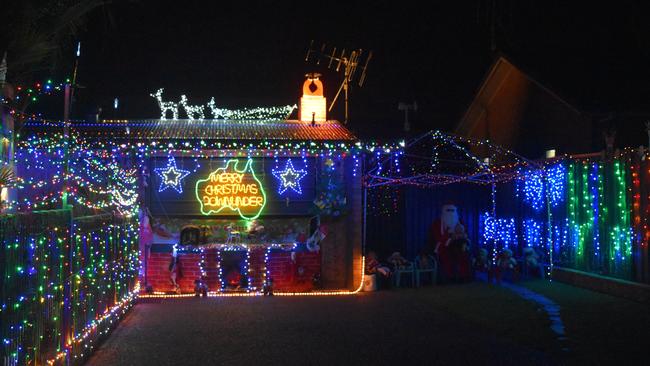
(330, 197)
(175, 273)
(277, 230)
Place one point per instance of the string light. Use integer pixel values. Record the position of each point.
(171, 176)
(555, 179)
(276, 293)
(165, 106)
(195, 112)
(532, 233)
(587, 212)
(258, 113)
(498, 230)
(533, 188)
(85, 272)
(289, 178)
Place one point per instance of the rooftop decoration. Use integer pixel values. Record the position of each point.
(313, 104)
(197, 112)
(353, 60)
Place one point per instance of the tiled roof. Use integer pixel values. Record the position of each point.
(208, 130)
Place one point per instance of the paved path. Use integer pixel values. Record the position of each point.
(466, 324)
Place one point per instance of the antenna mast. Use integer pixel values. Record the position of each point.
(350, 63)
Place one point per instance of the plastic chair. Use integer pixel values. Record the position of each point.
(433, 270)
(407, 269)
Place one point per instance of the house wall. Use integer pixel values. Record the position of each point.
(339, 261)
(281, 268)
(342, 249)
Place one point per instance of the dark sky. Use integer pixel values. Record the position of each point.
(597, 58)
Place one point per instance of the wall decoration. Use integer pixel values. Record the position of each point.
(330, 199)
(171, 176)
(289, 178)
(229, 190)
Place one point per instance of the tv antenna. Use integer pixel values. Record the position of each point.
(350, 62)
(406, 108)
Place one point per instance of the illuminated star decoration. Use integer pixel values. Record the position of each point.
(289, 178)
(171, 176)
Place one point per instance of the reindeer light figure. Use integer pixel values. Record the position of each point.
(192, 110)
(165, 106)
(234, 236)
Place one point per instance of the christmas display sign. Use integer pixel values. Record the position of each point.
(230, 190)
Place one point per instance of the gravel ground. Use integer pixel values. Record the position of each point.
(464, 324)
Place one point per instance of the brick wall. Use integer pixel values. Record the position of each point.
(341, 247)
(283, 271)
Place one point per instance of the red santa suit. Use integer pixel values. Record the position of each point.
(453, 263)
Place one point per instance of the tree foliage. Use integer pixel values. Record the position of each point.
(33, 33)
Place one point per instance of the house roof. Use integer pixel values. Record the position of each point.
(503, 75)
(227, 130)
(514, 110)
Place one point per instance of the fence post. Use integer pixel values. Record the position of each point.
(66, 321)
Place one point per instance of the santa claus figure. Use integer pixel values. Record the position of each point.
(451, 244)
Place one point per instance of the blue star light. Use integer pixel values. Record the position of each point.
(289, 178)
(171, 176)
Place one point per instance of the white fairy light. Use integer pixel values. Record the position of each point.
(192, 110)
(281, 112)
(165, 106)
(216, 111)
(198, 111)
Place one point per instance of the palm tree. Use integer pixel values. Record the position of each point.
(32, 33)
(7, 176)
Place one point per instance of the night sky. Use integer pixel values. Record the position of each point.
(596, 58)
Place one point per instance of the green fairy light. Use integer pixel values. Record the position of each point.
(598, 218)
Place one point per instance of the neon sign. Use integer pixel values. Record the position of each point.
(232, 190)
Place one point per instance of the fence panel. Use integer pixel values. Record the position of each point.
(65, 281)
